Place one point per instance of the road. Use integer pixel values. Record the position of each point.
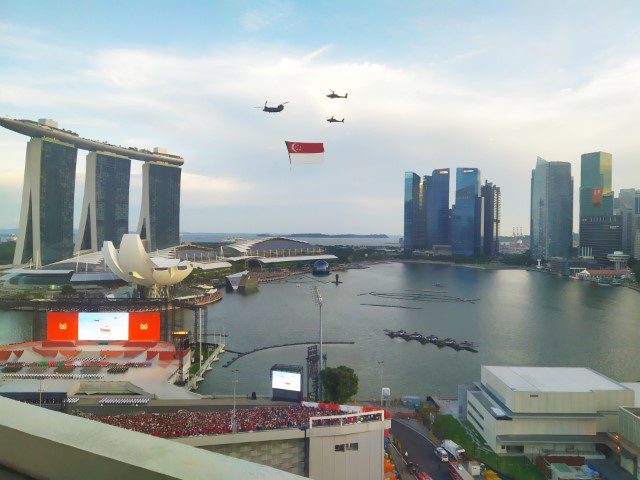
(420, 449)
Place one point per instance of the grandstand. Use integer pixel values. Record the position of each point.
(76, 367)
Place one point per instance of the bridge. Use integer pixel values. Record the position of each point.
(244, 354)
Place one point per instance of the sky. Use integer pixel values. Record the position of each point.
(432, 84)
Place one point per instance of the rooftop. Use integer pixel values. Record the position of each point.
(553, 379)
(50, 129)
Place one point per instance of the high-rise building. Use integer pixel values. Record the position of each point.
(437, 207)
(413, 218)
(600, 236)
(627, 205)
(491, 226)
(467, 214)
(596, 195)
(159, 221)
(45, 233)
(105, 208)
(551, 210)
(600, 229)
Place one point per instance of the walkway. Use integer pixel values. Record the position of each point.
(240, 355)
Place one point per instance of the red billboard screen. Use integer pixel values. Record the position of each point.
(596, 197)
(62, 326)
(144, 326)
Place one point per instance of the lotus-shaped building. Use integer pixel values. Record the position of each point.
(132, 264)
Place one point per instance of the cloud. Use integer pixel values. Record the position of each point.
(199, 105)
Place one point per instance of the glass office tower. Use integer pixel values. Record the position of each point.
(160, 215)
(45, 233)
(467, 214)
(437, 208)
(492, 209)
(551, 210)
(105, 208)
(600, 229)
(413, 218)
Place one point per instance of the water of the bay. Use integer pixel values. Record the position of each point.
(522, 318)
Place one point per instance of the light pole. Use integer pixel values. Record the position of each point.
(317, 297)
(235, 382)
(381, 367)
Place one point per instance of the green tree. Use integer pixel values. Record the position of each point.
(635, 268)
(339, 384)
(67, 290)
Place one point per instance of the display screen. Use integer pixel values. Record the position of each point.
(286, 381)
(105, 326)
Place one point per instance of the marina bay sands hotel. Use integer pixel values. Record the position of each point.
(45, 233)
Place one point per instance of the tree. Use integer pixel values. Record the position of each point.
(635, 268)
(67, 290)
(339, 384)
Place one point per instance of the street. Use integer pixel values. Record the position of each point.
(419, 447)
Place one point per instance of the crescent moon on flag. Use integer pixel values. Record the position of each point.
(296, 148)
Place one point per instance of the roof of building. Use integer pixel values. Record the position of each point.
(606, 272)
(35, 129)
(302, 258)
(553, 379)
(267, 243)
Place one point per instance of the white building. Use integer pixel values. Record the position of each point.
(545, 410)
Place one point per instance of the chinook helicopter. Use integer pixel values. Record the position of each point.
(277, 109)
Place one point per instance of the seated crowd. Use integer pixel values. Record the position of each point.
(188, 424)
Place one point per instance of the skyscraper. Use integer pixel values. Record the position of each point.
(467, 215)
(437, 208)
(600, 229)
(413, 218)
(45, 233)
(105, 208)
(492, 199)
(628, 207)
(551, 210)
(159, 221)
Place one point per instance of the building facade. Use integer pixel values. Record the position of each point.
(159, 223)
(105, 207)
(437, 208)
(414, 219)
(545, 410)
(492, 204)
(600, 229)
(600, 236)
(45, 232)
(627, 205)
(467, 220)
(551, 210)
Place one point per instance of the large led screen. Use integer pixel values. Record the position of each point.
(286, 381)
(106, 326)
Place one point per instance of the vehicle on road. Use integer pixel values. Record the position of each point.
(423, 476)
(458, 472)
(442, 454)
(455, 450)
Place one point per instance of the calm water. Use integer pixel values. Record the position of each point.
(522, 318)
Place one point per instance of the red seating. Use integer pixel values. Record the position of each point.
(132, 353)
(58, 343)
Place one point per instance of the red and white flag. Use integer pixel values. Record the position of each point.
(303, 153)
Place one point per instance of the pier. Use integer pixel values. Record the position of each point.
(244, 354)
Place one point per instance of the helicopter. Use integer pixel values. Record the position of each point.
(335, 95)
(334, 120)
(277, 109)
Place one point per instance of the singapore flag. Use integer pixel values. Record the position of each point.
(304, 153)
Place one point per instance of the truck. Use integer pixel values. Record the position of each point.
(442, 454)
(455, 450)
(458, 472)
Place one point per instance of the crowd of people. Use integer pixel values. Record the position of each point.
(189, 424)
(54, 376)
(124, 401)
